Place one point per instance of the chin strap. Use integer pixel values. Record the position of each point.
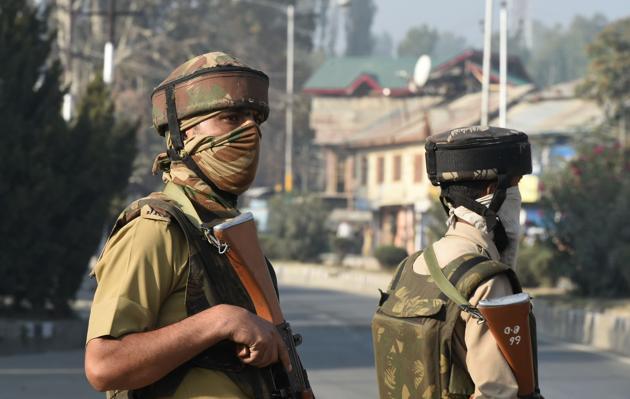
(175, 153)
(459, 195)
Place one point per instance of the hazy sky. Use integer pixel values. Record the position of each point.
(463, 16)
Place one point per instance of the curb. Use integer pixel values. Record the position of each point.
(596, 330)
(31, 336)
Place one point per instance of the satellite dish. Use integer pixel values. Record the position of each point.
(422, 70)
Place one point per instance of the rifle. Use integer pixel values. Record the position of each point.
(237, 238)
(508, 320)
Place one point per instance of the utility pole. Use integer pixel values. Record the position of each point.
(503, 21)
(64, 15)
(487, 51)
(288, 148)
(108, 53)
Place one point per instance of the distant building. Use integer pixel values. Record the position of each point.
(371, 124)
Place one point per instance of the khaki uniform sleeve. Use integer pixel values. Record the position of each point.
(140, 266)
(488, 368)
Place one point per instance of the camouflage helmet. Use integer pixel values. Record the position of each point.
(477, 153)
(206, 83)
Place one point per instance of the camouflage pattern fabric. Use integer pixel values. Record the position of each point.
(230, 161)
(413, 330)
(477, 153)
(480, 174)
(206, 83)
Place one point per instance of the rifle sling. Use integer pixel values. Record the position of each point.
(446, 286)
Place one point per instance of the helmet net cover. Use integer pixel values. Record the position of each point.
(207, 83)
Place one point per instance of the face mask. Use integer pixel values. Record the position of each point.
(509, 214)
(230, 160)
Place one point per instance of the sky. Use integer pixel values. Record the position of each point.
(397, 16)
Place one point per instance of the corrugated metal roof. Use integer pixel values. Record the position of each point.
(394, 73)
(339, 73)
(561, 115)
(409, 124)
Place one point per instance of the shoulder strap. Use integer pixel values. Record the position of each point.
(176, 193)
(446, 286)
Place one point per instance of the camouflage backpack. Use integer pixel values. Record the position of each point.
(413, 330)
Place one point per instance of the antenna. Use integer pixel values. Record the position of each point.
(421, 71)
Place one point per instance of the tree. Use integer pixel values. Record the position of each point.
(359, 38)
(32, 126)
(57, 180)
(590, 205)
(162, 34)
(448, 45)
(427, 40)
(608, 77)
(559, 54)
(297, 228)
(92, 176)
(591, 198)
(418, 41)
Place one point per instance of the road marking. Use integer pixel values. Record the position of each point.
(41, 371)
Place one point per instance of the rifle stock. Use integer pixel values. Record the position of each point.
(248, 261)
(508, 321)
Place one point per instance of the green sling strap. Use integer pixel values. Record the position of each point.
(446, 286)
(176, 193)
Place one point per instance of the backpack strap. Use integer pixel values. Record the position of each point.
(447, 287)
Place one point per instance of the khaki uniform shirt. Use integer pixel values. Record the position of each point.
(141, 286)
(473, 342)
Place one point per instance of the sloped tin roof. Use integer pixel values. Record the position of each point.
(340, 73)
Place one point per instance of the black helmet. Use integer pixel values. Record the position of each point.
(478, 153)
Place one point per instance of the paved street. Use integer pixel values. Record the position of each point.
(337, 351)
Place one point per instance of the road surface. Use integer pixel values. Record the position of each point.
(337, 351)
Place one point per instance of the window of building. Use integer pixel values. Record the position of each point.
(341, 175)
(364, 170)
(418, 168)
(397, 167)
(380, 170)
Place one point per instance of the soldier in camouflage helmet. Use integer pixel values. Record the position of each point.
(169, 318)
(427, 345)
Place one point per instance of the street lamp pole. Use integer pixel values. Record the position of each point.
(487, 51)
(108, 53)
(503, 65)
(288, 148)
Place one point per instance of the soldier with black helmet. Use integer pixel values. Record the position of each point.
(168, 318)
(430, 339)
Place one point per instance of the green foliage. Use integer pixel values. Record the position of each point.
(559, 54)
(418, 40)
(296, 228)
(93, 174)
(57, 180)
(608, 78)
(389, 256)
(342, 246)
(359, 38)
(534, 264)
(426, 40)
(590, 200)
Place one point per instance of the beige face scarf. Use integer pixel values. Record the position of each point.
(509, 213)
(229, 160)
